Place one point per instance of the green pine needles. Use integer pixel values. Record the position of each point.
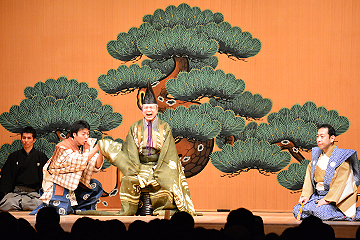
(232, 41)
(293, 178)
(184, 15)
(246, 105)
(169, 42)
(6, 149)
(310, 113)
(230, 123)
(166, 66)
(202, 122)
(127, 79)
(191, 124)
(51, 107)
(299, 125)
(250, 154)
(54, 105)
(60, 89)
(125, 48)
(248, 132)
(206, 82)
(302, 134)
(183, 31)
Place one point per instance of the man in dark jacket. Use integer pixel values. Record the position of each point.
(21, 176)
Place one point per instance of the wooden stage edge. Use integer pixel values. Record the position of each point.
(275, 222)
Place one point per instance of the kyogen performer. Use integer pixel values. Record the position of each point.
(330, 187)
(67, 182)
(148, 158)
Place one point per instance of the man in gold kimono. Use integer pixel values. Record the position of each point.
(148, 159)
(330, 186)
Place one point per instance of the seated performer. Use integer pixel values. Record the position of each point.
(67, 183)
(330, 186)
(149, 159)
(21, 176)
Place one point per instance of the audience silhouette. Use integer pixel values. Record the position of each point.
(251, 227)
(26, 231)
(241, 224)
(47, 224)
(9, 226)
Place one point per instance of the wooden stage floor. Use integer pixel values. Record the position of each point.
(273, 221)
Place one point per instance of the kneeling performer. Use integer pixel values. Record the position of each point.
(67, 182)
(148, 158)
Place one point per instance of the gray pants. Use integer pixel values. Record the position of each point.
(22, 198)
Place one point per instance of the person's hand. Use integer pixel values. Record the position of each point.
(100, 159)
(303, 200)
(93, 151)
(142, 181)
(91, 141)
(322, 202)
(97, 148)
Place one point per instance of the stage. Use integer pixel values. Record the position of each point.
(275, 222)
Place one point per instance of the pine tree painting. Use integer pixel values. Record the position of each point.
(206, 106)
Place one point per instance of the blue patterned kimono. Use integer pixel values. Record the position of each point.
(331, 211)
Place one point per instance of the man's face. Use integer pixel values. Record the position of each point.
(27, 140)
(81, 136)
(149, 111)
(324, 141)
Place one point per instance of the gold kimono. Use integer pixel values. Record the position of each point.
(158, 167)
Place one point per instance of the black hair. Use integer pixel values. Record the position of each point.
(331, 130)
(78, 125)
(29, 130)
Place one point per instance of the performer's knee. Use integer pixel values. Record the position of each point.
(96, 186)
(10, 202)
(296, 209)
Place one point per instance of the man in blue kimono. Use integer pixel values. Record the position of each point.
(330, 186)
